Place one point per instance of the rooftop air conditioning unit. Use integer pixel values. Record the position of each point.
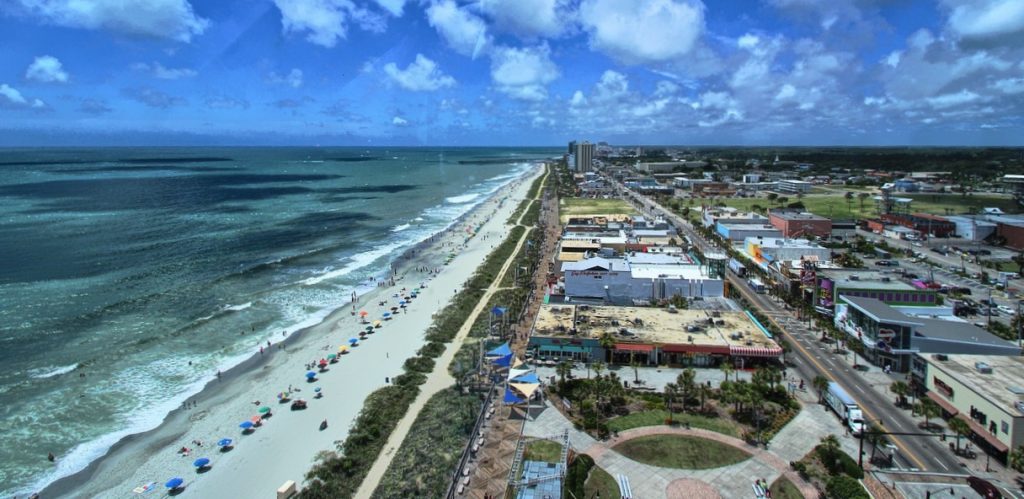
(886, 279)
(983, 368)
(855, 278)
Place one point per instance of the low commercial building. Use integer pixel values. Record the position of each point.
(985, 391)
(1010, 228)
(639, 277)
(793, 186)
(891, 337)
(924, 223)
(710, 217)
(739, 232)
(764, 251)
(973, 228)
(650, 336)
(800, 224)
(886, 288)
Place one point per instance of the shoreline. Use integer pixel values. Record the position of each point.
(115, 473)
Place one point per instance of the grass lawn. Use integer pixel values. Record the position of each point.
(543, 450)
(680, 451)
(657, 417)
(784, 489)
(836, 205)
(585, 206)
(601, 482)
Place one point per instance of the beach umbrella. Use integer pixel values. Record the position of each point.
(353, 341)
(363, 313)
(317, 389)
(245, 425)
(332, 356)
(311, 375)
(201, 462)
(402, 302)
(264, 410)
(343, 349)
(323, 362)
(255, 420)
(174, 483)
(394, 308)
(369, 328)
(224, 442)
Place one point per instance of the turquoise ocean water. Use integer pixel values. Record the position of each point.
(120, 266)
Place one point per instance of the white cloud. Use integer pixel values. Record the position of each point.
(422, 75)
(665, 88)
(578, 99)
(47, 69)
(326, 20)
(395, 7)
(399, 121)
(643, 31)
(293, 79)
(612, 85)
(528, 18)
(955, 99)
(1009, 85)
(12, 95)
(747, 41)
(523, 73)
(983, 19)
(465, 32)
(174, 19)
(158, 70)
(787, 92)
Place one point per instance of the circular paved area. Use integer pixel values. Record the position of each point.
(689, 488)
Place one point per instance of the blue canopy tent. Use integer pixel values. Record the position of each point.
(526, 378)
(499, 311)
(504, 361)
(512, 398)
(501, 351)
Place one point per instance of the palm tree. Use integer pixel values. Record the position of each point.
(820, 384)
(929, 409)
(900, 389)
(849, 202)
(727, 369)
(608, 344)
(961, 428)
(1016, 459)
(704, 390)
(830, 444)
(862, 196)
(636, 368)
(563, 369)
(671, 392)
(771, 198)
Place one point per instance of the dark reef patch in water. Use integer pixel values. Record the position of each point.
(143, 168)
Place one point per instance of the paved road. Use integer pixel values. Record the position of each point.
(813, 358)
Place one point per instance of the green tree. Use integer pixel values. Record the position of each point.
(563, 369)
(830, 444)
(820, 384)
(862, 196)
(636, 368)
(772, 197)
(1019, 260)
(928, 409)
(686, 382)
(704, 391)
(1016, 459)
(961, 428)
(900, 389)
(726, 368)
(849, 202)
(845, 487)
(671, 393)
(607, 342)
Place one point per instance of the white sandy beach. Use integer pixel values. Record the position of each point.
(285, 446)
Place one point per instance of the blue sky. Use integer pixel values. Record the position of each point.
(512, 72)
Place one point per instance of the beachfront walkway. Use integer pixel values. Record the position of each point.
(792, 443)
(439, 379)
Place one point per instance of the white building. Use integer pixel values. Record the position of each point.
(972, 228)
(584, 156)
(793, 186)
(638, 277)
(765, 250)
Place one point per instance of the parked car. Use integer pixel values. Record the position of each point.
(884, 263)
(1006, 310)
(984, 487)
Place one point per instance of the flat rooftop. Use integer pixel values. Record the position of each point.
(792, 215)
(1003, 386)
(650, 325)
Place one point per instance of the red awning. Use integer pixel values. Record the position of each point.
(755, 351)
(634, 347)
(983, 433)
(946, 406)
(719, 349)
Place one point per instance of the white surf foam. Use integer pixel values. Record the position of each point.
(49, 372)
(400, 228)
(463, 199)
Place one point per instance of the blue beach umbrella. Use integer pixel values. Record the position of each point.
(174, 483)
(310, 375)
(402, 302)
(201, 462)
(317, 389)
(387, 314)
(224, 442)
(245, 425)
(353, 341)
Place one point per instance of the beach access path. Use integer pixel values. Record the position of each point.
(285, 447)
(439, 379)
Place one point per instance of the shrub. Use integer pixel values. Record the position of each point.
(844, 487)
(576, 476)
(419, 364)
(432, 349)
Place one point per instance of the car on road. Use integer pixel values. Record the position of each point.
(887, 263)
(984, 487)
(1005, 309)
(940, 251)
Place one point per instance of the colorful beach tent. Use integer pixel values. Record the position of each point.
(501, 351)
(515, 373)
(511, 398)
(518, 362)
(174, 483)
(504, 361)
(526, 389)
(525, 378)
(201, 462)
(499, 311)
(224, 442)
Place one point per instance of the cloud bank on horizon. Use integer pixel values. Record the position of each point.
(513, 72)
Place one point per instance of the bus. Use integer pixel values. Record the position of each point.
(757, 285)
